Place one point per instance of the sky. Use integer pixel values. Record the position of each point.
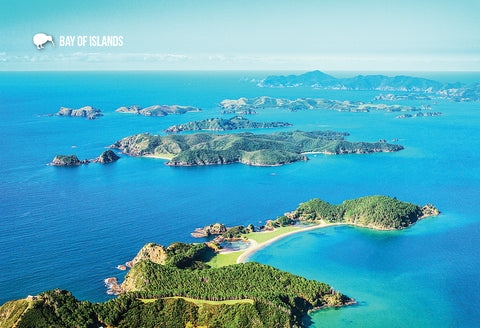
(397, 35)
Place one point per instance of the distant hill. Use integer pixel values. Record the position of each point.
(317, 79)
(246, 106)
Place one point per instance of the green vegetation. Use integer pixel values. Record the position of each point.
(248, 148)
(378, 212)
(184, 256)
(220, 124)
(12, 311)
(262, 283)
(220, 260)
(236, 296)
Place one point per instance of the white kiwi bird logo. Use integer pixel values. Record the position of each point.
(40, 39)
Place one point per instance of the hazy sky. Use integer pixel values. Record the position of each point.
(261, 34)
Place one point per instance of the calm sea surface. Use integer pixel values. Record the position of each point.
(70, 227)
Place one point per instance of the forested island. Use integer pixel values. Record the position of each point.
(376, 212)
(316, 79)
(244, 106)
(221, 124)
(157, 110)
(247, 148)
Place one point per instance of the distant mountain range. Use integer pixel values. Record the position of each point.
(317, 79)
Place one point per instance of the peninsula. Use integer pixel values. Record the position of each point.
(87, 111)
(157, 110)
(174, 287)
(221, 124)
(244, 106)
(374, 212)
(247, 148)
(193, 285)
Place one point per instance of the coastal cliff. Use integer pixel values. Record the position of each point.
(247, 148)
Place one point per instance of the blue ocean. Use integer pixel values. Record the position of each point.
(70, 227)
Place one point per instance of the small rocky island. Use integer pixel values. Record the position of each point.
(108, 156)
(244, 106)
(247, 148)
(87, 111)
(221, 124)
(157, 110)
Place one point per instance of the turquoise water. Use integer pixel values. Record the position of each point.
(70, 227)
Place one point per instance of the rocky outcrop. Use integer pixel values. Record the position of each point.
(151, 251)
(430, 210)
(157, 110)
(213, 229)
(87, 111)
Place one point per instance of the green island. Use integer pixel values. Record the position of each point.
(194, 285)
(252, 149)
(221, 124)
(244, 106)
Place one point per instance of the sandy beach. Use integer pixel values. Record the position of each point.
(256, 246)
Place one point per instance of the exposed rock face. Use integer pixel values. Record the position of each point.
(157, 110)
(108, 156)
(151, 251)
(67, 160)
(87, 111)
(429, 210)
(213, 229)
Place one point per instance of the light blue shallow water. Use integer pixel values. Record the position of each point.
(70, 227)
